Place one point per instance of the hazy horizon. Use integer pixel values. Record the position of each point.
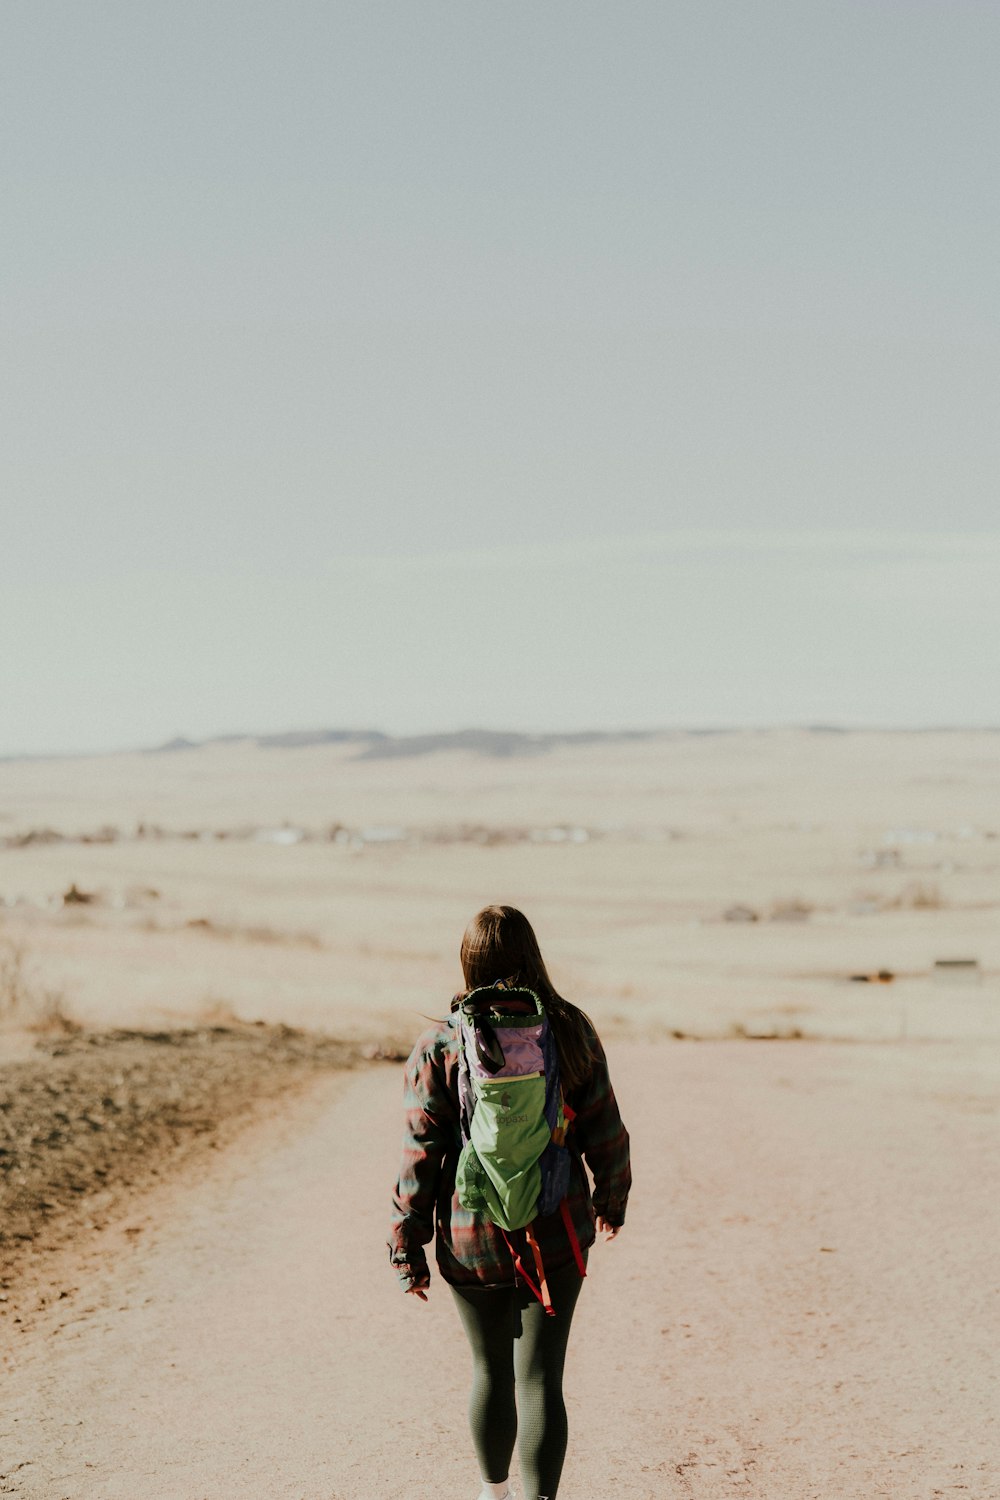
(710, 629)
(299, 736)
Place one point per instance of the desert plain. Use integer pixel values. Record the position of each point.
(789, 942)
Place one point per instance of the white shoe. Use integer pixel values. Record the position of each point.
(497, 1491)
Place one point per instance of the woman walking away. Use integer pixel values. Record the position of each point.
(504, 1102)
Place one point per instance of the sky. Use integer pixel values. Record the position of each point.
(426, 365)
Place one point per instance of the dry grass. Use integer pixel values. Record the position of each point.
(26, 1002)
(791, 909)
(917, 896)
(258, 933)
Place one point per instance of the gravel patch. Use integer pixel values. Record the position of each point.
(91, 1119)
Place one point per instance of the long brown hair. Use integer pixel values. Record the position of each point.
(500, 943)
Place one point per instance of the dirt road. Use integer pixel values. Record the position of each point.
(803, 1305)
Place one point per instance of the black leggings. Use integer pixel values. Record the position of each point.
(513, 1340)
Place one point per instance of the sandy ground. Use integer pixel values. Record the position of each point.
(803, 1305)
(855, 852)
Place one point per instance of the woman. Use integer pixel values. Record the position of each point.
(514, 1341)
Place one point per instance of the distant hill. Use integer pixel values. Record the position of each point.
(291, 739)
(373, 744)
(503, 744)
(498, 744)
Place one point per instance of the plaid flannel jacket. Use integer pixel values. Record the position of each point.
(470, 1249)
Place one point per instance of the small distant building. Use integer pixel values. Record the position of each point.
(957, 971)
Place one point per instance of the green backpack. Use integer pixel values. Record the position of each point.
(514, 1164)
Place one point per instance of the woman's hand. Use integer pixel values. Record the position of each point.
(416, 1291)
(608, 1230)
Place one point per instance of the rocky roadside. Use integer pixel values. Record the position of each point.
(90, 1120)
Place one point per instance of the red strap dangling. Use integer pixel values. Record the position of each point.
(540, 1291)
(571, 1233)
(544, 1298)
